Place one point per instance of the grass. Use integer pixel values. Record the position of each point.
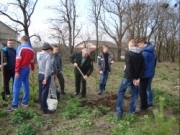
(73, 118)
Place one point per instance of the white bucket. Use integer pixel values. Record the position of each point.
(52, 104)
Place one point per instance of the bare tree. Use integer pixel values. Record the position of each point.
(96, 6)
(22, 15)
(66, 15)
(115, 26)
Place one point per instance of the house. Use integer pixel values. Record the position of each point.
(7, 32)
(91, 45)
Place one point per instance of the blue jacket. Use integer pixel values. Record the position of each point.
(101, 62)
(149, 61)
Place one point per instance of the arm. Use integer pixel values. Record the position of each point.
(60, 62)
(90, 68)
(32, 63)
(48, 67)
(128, 65)
(18, 59)
(99, 63)
(72, 58)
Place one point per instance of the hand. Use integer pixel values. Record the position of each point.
(17, 75)
(55, 77)
(101, 72)
(136, 82)
(44, 81)
(85, 77)
(75, 64)
(1, 66)
(112, 61)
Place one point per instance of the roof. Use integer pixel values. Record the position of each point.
(8, 27)
(100, 43)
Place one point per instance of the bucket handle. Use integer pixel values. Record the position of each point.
(50, 90)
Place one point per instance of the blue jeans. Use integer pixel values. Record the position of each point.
(149, 92)
(122, 89)
(23, 80)
(103, 80)
(43, 91)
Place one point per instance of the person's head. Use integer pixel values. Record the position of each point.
(10, 43)
(132, 43)
(105, 48)
(85, 52)
(47, 47)
(55, 49)
(24, 39)
(141, 42)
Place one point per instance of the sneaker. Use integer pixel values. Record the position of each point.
(48, 111)
(116, 114)
(99, 93)
(104, 91)
(23, 105)
(10, 109)
(8, 95)
(75, 94)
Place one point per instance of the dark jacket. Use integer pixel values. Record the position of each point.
(149, 61)
(134, 64)
(9, 57)
(101, 62)
(86, 68)
(58, 61)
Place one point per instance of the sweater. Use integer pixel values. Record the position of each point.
(44, 64)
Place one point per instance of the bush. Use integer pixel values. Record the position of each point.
(26, 129)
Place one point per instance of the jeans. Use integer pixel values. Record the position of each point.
(122, 89)
(103, 80)
(149, 92)
(43, 91)
(23, 80)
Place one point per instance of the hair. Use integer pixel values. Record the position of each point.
(25, 39)
(132, 43)
(105, 46)
(10, 40)
(142, 39)
(85, 50)
(55, 46)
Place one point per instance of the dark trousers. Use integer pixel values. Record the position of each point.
(61, 81)
(143, 93)
(8, 74)
(78, 80)
(43, 91)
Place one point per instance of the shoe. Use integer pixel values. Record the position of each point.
(48, 111)
(104, 91)
(63, 93)
(10, 109)
(8, 95)
(75, 94)
(150, 105)
(23, 105)
(116, 114)
(99, 93)
(81, 97)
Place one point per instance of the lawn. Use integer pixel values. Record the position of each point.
(91, 116)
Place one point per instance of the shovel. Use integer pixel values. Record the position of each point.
(3, 94)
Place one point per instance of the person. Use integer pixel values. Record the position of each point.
(58, 62)
(150, 62)
(53, 92)
(83, 61)
(24, 60)
(44, 76)
(104, 62)
(134, 68)
(9, 58)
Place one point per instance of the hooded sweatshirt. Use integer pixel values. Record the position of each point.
(134, 64)
(44, 64)
(149, 61)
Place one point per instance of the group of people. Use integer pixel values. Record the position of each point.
(140, 62)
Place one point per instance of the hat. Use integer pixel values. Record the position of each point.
(46, 46)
